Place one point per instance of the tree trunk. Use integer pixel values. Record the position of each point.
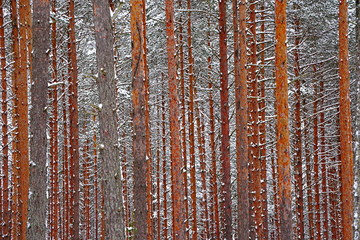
(225, 194)
(139, 139)
(347, 163)
(109, 157)
(357, 129)
(73, 128)
(241, 105)
(38, 116)
(176, 161)
(282, 117)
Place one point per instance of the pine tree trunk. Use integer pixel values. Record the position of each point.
(139, 139)
(225, 194)
(241, 105)
(38, 116)
(347, 163)
(109, 157)
(282, 117)
(176, 161)
(73, 128)
(357, 128)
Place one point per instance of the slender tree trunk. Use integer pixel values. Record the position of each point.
(96, 183)
(73, 128)
(241, 105)
(282, 111)
(347, 163)
(226, 218)
(176, 161)
(111, 178)
(38, 117)
(139, 139)
(357, 129)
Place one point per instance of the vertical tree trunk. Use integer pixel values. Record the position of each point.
(139, 139)
(242, 129)
(176, 161)
(357, 129)
(111, 178)
(282, 117)
(15, 166)
(5, 209)
(96, 183)
(73, 127)
(21, 110)
(226, 218)
(38, 117)
(347, 163)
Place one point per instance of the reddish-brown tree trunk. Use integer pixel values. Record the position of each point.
(225, 190)
(73, 127)
(347, 162)
(282, 117)
(241, 105)
(176, 161)
(139, 139)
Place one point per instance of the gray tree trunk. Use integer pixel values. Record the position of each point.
(109, 156)
(357, 124)
(38, 118)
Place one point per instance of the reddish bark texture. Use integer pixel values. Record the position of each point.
(139, 139)
(282, 111)
(225, 190)
(176, 161)
(241, 124)
(73, 127)
(346, 154)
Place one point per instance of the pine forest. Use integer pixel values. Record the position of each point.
(180, 119)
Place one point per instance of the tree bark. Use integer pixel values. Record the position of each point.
(241, 105)
(225, 189)
(139, 139)
(176, 161)
(347, 163)
(108, 142)
(38, 119)
(282, 117)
